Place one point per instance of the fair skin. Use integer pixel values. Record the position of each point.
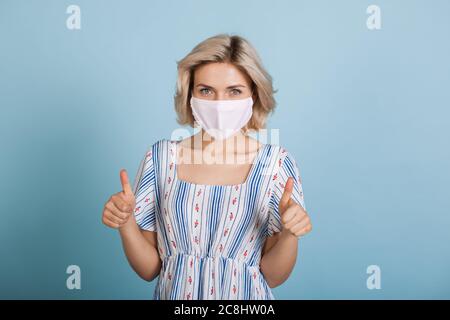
(214, 81)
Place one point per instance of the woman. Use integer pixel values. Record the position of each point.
(209, 228)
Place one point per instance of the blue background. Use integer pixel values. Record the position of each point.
(364, 112)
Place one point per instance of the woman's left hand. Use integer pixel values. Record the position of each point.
(294, 219)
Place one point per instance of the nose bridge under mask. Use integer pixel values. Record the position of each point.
(226, 114)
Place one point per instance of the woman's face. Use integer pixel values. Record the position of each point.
(220, 81)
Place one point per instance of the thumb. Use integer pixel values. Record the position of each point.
(125, 183)
(287, 193)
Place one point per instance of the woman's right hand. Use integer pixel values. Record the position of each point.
(139, 247)
(120, 206)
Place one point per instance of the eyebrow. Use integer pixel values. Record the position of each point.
(229, 87)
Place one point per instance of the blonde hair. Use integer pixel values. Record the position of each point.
(238, 51)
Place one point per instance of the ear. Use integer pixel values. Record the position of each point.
(254, 96)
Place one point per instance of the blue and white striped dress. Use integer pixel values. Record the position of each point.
(210, 237)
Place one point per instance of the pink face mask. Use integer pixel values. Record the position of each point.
(222, 118)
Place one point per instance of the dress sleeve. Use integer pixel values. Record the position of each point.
(144, 192)
(287, 167)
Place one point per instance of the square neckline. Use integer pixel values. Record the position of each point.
(247, 179)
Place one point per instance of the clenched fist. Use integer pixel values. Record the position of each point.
(120, 206)
(294, 218)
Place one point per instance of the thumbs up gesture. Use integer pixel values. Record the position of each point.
(294, 218)
(120, 206)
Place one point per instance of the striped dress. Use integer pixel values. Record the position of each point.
(210, 237)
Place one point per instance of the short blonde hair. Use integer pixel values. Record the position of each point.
(238, 51)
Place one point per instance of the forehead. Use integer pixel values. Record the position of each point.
(220, 74)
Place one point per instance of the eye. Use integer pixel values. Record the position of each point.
(205, 91)
(235, 92)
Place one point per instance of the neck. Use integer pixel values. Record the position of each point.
(202, 140)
